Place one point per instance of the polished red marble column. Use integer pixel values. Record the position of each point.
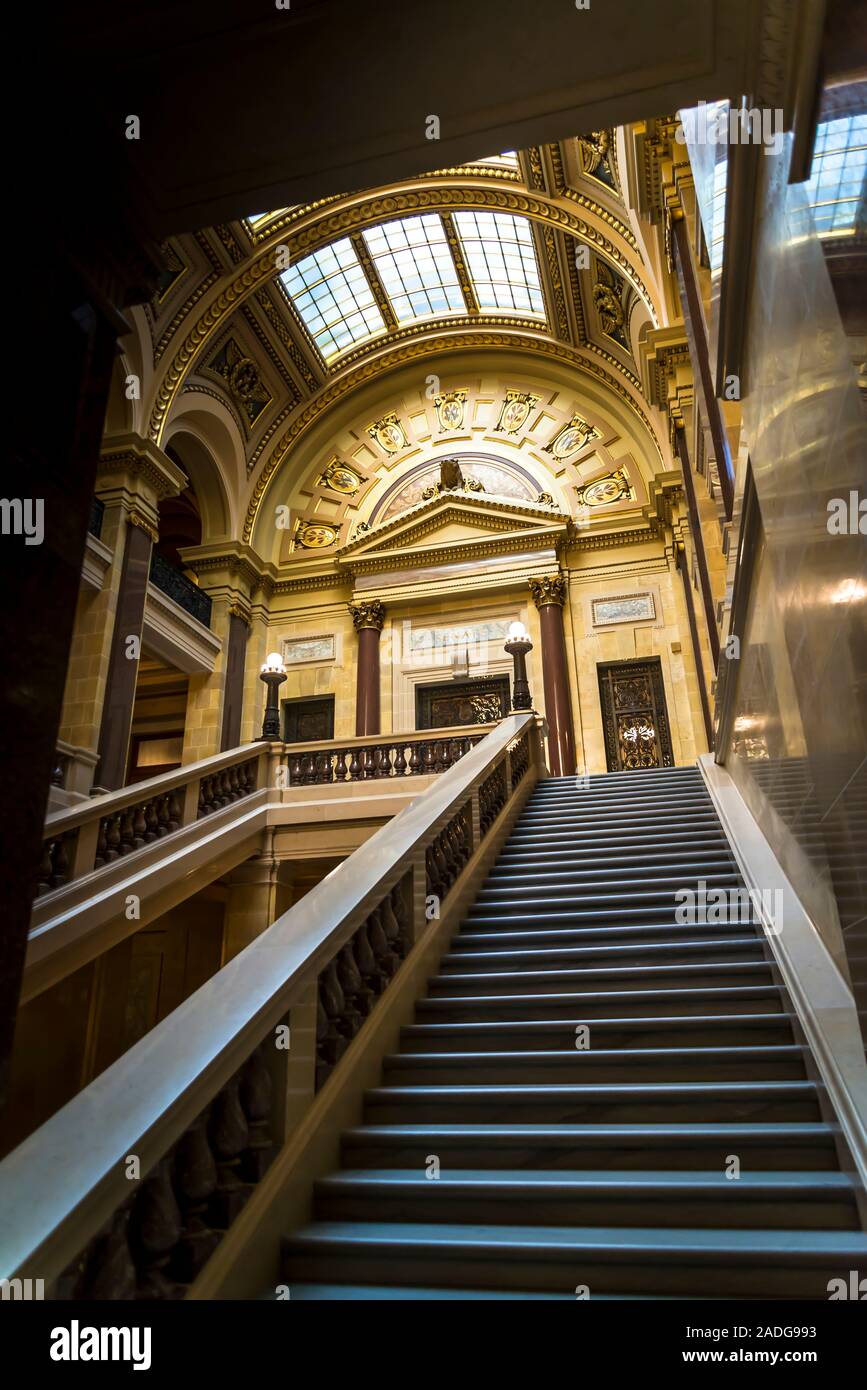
(368, 617)
(114, 735)
(550, 595)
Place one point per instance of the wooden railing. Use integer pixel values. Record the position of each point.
(163, 1150)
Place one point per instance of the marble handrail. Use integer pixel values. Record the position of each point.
(190, 1097)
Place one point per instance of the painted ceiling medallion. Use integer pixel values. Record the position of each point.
(603, 491)
(572, 437)
(450, 410)
(315, 535)
(388, 433)
(515, 411)
(339, 477)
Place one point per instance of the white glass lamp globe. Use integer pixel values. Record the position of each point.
(273, 662)
(517, 632)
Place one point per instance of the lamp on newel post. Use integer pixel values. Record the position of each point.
(273, 673)
(517, 646)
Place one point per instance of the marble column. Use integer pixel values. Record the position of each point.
(125, 652)
(368, 616)
(549, 595)
(233, 693)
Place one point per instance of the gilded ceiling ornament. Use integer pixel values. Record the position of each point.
(572, 437)
(597, 156)
(452, 479)
(615, 487)
(388, 433)
(609, 309)
(339, 477)
(243, 378)
(549, 590)
(450, 410)
(315, 535)
(515, 410)
(368, 613)
(545, 500)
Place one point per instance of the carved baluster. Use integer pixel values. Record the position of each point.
(429, 758)
(387, 957)
(446, 754)
(383, 762)
(256, 1098)
(162, 809)
(127, 831)
(295, 767)
(397, 920)
(195, 1179)
(139, 827)
(415, 759)
(333, 1042)
(353, 988)
(400, 760)
(355, 768)
(203, 800)
(323, 767)
(43, 882)
(340, 769)
(60, 863)
(432, 872)
(442, 864)
(101, 845)
(154, 1231)
(228, 1135)
(110, 1273)
(175, 812)
(153, 825)
(112, 837)
(372, 979)
(368, 763)
(308, 768)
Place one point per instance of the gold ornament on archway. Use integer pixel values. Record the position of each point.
(450, 410)
(388, 433)
(315, 535)
(571, 438)
(516, 410)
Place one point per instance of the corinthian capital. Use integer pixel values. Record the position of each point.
(368, 613)
(549, 590)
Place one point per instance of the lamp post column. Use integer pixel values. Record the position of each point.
(549, 595)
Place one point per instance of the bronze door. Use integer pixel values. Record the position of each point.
(308, 721)
(634, 715)
(482, 700)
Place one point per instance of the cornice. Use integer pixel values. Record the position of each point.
(333, 391)
(448, 507)
(369, 211)
(130, 453)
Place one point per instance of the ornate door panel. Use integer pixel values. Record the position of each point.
(481, 701)
(634, 715)
(308, 721)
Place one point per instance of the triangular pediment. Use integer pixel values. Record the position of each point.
(452, 526)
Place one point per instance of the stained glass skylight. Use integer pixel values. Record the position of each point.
(331, 293)
(415, 266)
(501, 259)
(837, 180)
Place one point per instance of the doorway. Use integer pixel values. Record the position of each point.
(308, 721)
(634, 715)
(482, 700)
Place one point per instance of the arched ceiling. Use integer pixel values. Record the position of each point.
(238, 317)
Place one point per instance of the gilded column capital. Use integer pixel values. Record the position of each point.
(236, 610)
(135, 518)
(368, 613)
(551, 589)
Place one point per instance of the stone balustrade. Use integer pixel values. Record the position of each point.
(202, 1101)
